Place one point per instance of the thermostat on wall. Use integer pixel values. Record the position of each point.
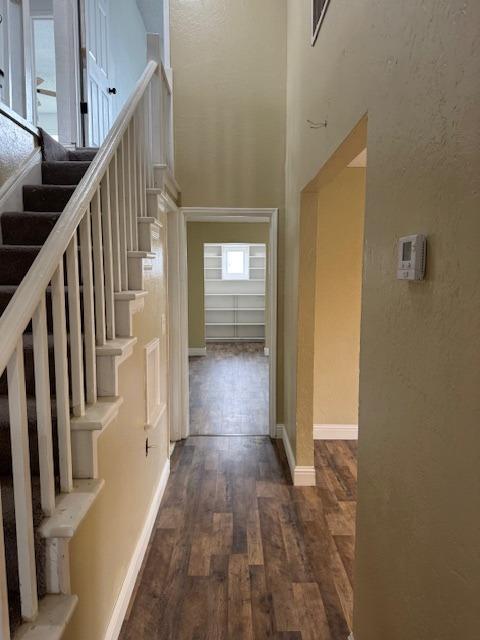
(411, 257)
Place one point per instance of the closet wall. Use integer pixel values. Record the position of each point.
(235, 309)
(214, 233)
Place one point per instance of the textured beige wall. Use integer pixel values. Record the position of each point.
(104, 544)
(198, 233)
(16, 145)
(341, 206)
(229, 62)
(415, 68)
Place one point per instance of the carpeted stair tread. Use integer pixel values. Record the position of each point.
(15, 261)
(64, 172)
(27, 227)
(46, 197)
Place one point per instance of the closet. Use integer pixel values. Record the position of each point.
(235, 276)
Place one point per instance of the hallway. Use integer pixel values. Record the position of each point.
(229, 390)
(238, 552)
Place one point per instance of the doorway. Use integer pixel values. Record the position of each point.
(332, 221)
(229, 381)
(231, 335)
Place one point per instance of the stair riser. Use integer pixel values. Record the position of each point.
(5, 299)
(44, 198)
(63, 173)
(15, 264)
(29, 373)
(5, 452)
(11, 539)
(23, 229)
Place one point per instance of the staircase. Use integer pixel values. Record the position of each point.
(71, 279)
(23, 233)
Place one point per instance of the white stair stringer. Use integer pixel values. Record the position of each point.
(164, 181)
(85, 432)
(148, 232)
(136, 266)
(56, 609)
(59, 529)
(109, 357)
(127, 304)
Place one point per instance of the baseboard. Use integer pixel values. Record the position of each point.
(335, 431)
(123, 600)
(301, 476)
(197, 351)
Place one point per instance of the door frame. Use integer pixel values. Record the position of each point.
(254, 216)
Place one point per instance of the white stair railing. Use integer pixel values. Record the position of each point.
(99, 227)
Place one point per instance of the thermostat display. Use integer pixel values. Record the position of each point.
(411, 257)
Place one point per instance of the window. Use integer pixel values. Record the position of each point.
(235, 259)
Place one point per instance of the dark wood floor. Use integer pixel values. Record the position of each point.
(238, 553)
(229, 390)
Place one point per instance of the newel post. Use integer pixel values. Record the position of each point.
(154, 52)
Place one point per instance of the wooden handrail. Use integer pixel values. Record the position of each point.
(22, 306)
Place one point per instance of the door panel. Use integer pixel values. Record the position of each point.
(98, 71)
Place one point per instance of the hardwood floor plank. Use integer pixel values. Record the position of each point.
(311, 612)
(218, 598)
(240, 623)
(222, 535)
(262, 604)
(237, 552)
(254, 538)
(346, 550)
(276, 567)
(229, 390)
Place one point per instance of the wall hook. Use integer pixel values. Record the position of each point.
(317, 125)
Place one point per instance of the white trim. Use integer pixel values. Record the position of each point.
(335, 431)
(30, 172)
(266, 351)
(68, 71)
(123, 600)
(301, 476)
(270, 216)
(197, 351)
(178, 318)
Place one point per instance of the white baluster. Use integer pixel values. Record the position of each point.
(99, 281)
(122, 212)
(154, 46)
(115, 217)
(88, 309)
(44, 409)
(22, 487)
(4, 617)
(61, 379)
(127, 164)
(108, 257)
(76, 341)
(134, 177)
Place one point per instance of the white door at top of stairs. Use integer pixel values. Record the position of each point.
(99, 71)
